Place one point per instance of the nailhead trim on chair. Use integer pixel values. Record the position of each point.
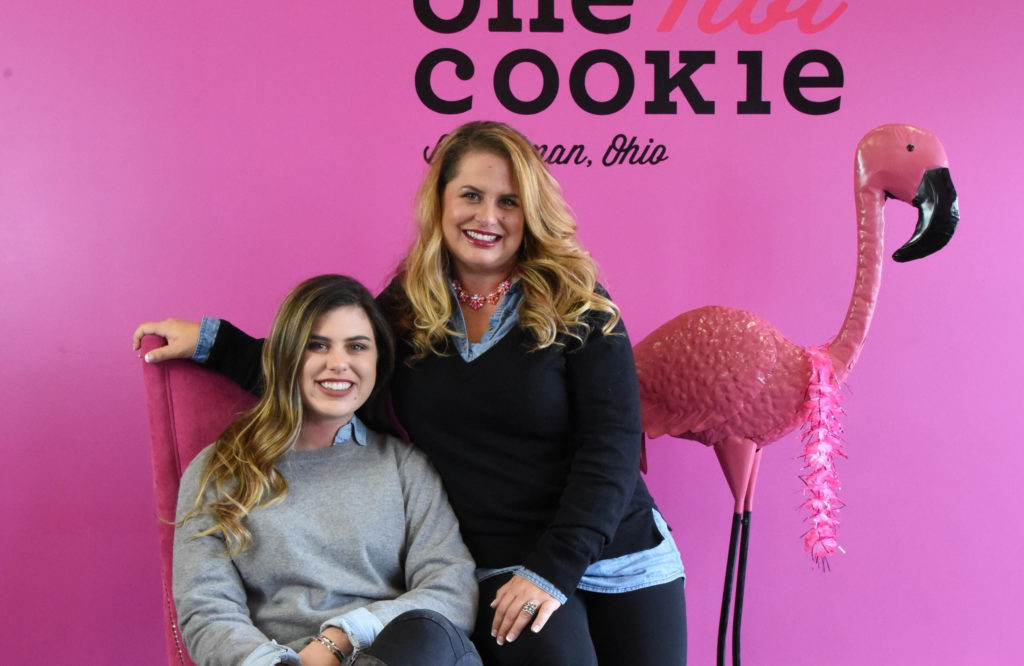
(174, 628)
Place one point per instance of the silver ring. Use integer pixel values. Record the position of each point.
(530, 608)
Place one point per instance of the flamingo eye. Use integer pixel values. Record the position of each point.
(910, 147)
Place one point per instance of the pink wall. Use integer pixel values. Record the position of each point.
(190, 157)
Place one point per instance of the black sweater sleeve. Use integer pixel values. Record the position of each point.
(604, 473)
(237, 356)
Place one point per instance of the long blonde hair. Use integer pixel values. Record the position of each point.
(559, 278)
(242, 469)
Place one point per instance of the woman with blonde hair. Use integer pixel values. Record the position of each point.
(516, 377)
(304, 535)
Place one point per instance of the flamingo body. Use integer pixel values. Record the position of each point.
(743, 379)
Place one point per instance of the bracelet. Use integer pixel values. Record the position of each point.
(329, 644)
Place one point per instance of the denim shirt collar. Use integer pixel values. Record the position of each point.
(354, 431)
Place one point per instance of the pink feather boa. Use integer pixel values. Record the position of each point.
(822, 433)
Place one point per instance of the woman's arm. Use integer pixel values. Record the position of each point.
(605, 413)
(604, 401)
(181, 335)
(439, 571)
(603, 475)
(216, 343)
(237, 355)
(209, 593)
(318, 654)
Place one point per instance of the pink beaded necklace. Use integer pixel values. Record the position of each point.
(476, 301)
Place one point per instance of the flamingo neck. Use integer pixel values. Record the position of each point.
(845, 348)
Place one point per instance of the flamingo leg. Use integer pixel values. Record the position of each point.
(739, 459)
(741, 574)
(741, 579)
(723, 618)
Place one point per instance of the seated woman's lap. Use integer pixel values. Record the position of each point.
(644, 627)
(419, 638)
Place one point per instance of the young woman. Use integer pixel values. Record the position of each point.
(516, 377)
(306, 536)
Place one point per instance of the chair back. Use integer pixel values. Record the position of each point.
(188, 408)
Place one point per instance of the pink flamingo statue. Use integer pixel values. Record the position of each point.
(729, 380)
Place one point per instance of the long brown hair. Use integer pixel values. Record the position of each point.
(241, 474)
(558, 276)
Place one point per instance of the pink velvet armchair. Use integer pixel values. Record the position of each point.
(188, 407)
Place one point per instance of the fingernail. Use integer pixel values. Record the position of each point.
(510, 637)
(149, 358)
(494, 634)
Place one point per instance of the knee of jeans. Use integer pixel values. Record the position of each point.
(425, 623)
(422, 614)
(431, 633)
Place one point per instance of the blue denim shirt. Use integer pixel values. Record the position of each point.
(634, 571)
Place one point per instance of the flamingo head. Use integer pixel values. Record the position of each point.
(907, 163)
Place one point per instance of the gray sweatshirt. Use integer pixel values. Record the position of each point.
(364, 534)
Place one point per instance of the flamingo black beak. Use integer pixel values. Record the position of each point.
(937, 216)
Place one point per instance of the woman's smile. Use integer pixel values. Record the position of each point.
(481, 237)
(335, 386)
